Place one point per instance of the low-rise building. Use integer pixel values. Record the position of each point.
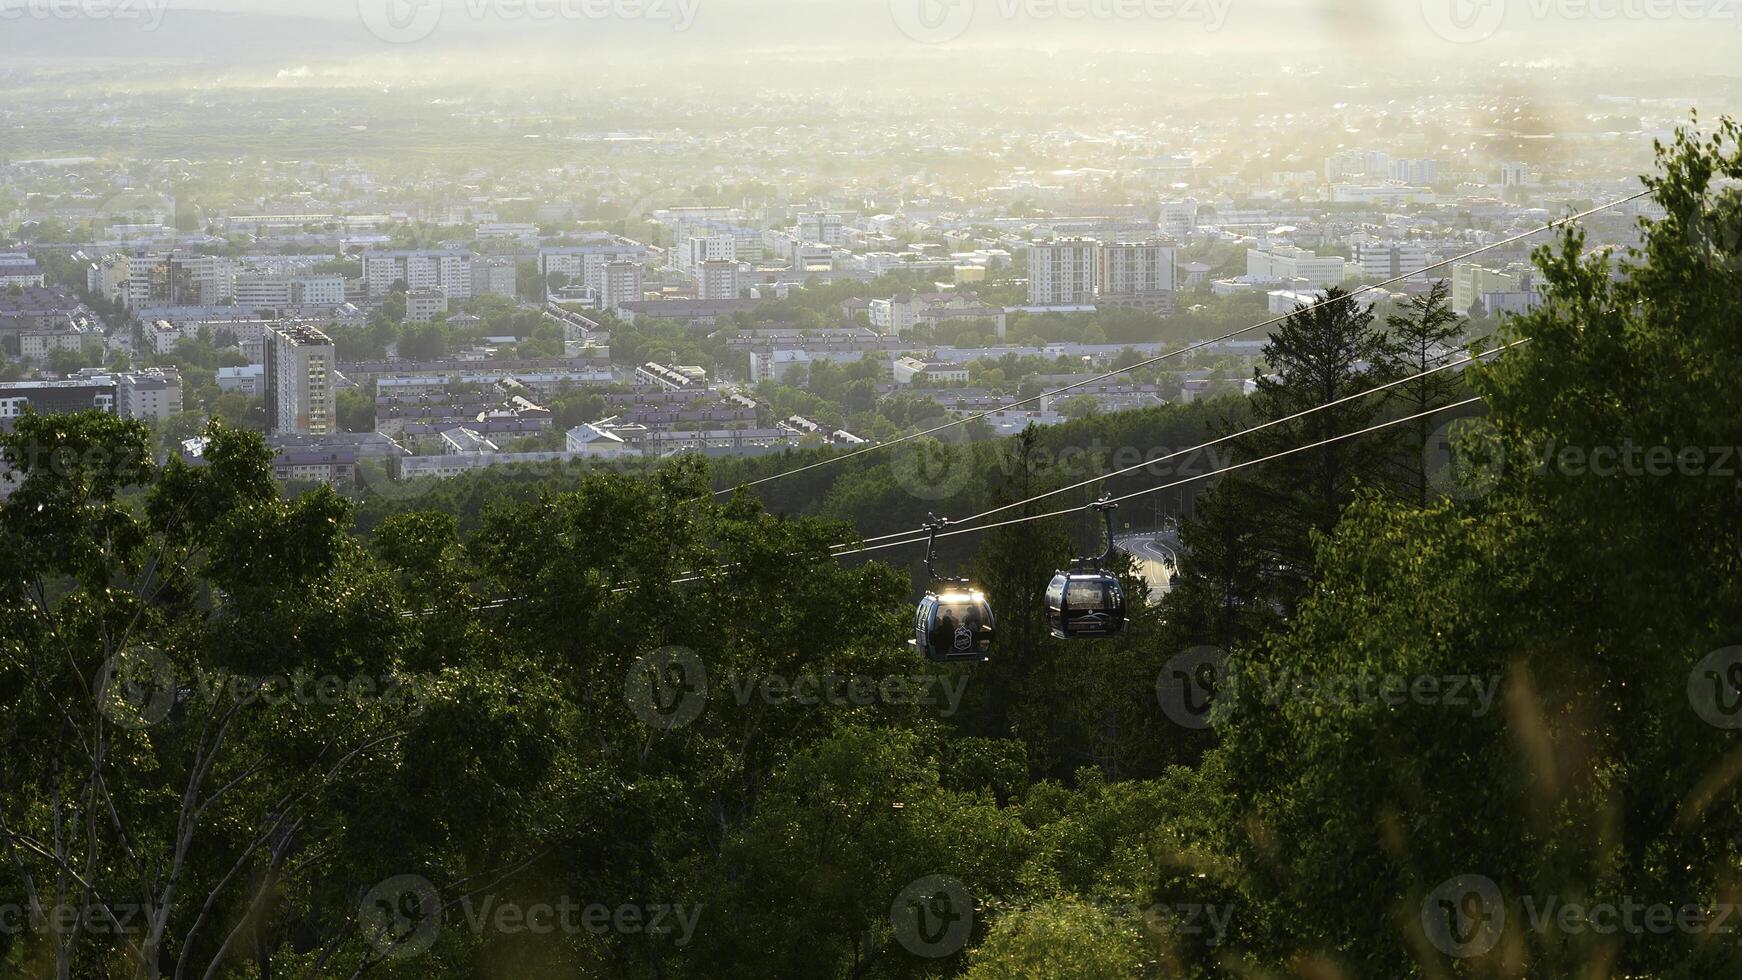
(155, 394)
(913, 370)
(246, 379)
(596, 439)
(674, 378)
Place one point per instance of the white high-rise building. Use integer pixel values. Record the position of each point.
(1357, 163)
(829, 229)
(1063, 272)
(300, 397)
(1137, 267)
(1415, 171)
(621, 284)
(154, 394)
(495, 275)
(1388, 260)
(717, 279)
(449, 270)
(584, 265)
(1471, 283)
(273, 290)
(171, 278)
(1138, 275)
(111, 277)
(1179, 218)
(693, 252)
(424, 305)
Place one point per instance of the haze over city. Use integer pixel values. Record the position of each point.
(870, 489)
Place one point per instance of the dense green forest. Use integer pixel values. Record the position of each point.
(1454, 699)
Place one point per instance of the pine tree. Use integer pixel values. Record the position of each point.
(1423, 339)
(1320, 354)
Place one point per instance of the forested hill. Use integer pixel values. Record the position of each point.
(1411, 710)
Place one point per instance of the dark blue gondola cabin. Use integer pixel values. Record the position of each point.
(954, 626)
(1085, 605)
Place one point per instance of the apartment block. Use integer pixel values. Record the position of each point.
(1388, 260)
(447, 270)
(424, 305)
(828, 229)
(585, 264)
(693, 252)
(154, 394)
(621, 283)
(275, 291)
(717, 279)
(495, 275)
(300, 397)
(1138, 274)
(1063, 272)
(1294, 266)
(1472, 284)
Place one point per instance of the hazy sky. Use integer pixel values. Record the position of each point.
(1627, 33)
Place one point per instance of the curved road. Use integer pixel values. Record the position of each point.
(1155, 556)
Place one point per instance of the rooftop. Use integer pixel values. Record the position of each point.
(301, 335)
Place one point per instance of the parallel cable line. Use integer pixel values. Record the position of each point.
(1218, 441)
(1165, 486)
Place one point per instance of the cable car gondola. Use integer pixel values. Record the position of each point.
(954, 622)
(1086, 601)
